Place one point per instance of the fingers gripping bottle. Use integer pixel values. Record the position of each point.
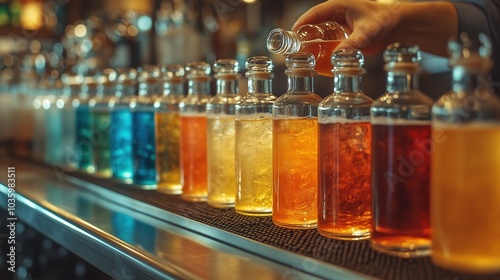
(465, 180)
(295, 149)
(344, 153)
(401, 159)
(254, 141)
(220, 135)
(193, 141)
(318, 39)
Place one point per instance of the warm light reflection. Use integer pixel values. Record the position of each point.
(31, 15)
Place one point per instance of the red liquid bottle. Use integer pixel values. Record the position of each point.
(344, 153)
(401, 159)
(319, 39)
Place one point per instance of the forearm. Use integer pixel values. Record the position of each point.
(428, 24)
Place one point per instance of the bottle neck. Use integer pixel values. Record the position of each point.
(146, 89)
(227, 84)
(302, 81)
(463, 80)
(260, 83)
(399, 82)
(346, 83)
(281, 41)
(199, 86)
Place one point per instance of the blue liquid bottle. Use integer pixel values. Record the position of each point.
(144, 128)
(84, 139)
(122, 163)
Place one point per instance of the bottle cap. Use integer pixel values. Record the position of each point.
(302, 60)
(402, 58)
(226, 66)
(173, 72)
(198, 69)
(348, 60)
(472, 53)
(259, 67)
(148, 74)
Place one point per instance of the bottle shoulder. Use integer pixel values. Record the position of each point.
(221, 99)
(298, 98)
(399, 99)
(348, 100)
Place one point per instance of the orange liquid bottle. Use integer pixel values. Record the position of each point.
(193, 132)
(295, 166)
(319, 40)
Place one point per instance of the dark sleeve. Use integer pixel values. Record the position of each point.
(482, 16)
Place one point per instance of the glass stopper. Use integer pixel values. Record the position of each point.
(198, 69)
(347, 58)
(397, 52)
(226, 66)
(300, 60)
(259, 64)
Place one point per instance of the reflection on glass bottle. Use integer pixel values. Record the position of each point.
(144, 128)
(254, 143)
(465, 192)
(344, 153)
(400, 121)
(295, 149)
(122, 163)
(220, 135)
(100, 110)
(319, 39)
(39, 128)
(192, 110)
(72, 87)
(168, 129)
(84, 140)
(123, 227)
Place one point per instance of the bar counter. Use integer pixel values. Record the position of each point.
(142, 234)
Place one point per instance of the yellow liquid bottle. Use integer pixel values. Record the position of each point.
(168, 130)
(465, 177)
(221, 135)
(254, 146)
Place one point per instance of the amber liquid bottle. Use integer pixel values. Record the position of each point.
(344, 153)
(400, 166)
(168, 129)
(295, 147)
(465, 180)
(319, 39)
(193, 140)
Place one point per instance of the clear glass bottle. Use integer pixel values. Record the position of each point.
(344, 153)
(121, 144)
(100, 114)
(318, 39)
(254, 141)
(192, 110)
(220, 135)
(168, 129)
(295, 147)
(465, 164)
(84, 139)
(72, 84)
(400, 121)
(144, 128)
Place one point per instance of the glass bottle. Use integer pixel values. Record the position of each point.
(121, 144)
(168, 126)
(254, 142)
(295, 149)
(84, 140)
(400, 121)
(344, 153)
(53, 123)
(465, 183)
(144, 128)
(192, 110)
(72, 84)
(220, 135)
(100, 111)
(318, 39)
